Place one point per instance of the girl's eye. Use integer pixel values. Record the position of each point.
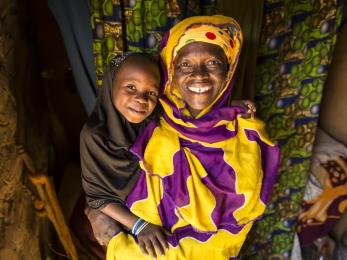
(152, 93)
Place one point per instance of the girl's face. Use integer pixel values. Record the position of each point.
(136, 89)
(199, 74)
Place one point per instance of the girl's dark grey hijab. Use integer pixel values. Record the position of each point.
(109, 169)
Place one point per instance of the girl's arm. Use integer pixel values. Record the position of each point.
(120, 213)
(150, 239)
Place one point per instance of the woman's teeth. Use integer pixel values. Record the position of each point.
(199, 89)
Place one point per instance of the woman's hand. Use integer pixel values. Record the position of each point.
(152, 240)
(248, 105)
(251, 109)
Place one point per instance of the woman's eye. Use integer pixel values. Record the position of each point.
(213, 62)
(184, 65)
(132, 87)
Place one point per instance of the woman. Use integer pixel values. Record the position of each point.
(206, 172)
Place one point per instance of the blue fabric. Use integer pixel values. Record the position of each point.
(73, 19)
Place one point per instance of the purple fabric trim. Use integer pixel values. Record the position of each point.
(224, 98)
(164, 73)
(138, 148)
(209, 135)
(213, 117)
(208, 120)
(270, 156)
(205, 129)
(139, 191)
(220, 181)
(164, 40)
(175, 190)
(187, 231)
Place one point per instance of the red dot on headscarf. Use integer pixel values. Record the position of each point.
(232, 44)
(210, 35)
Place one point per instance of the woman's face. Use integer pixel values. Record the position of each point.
(199, 74)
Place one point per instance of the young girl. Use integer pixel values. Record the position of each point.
(109, 170)
(124, 107)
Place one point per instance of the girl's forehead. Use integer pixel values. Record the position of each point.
(140, 65)
(144, 71)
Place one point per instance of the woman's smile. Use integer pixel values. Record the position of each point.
(199, 87)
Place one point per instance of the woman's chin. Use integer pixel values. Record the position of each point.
(196, 110)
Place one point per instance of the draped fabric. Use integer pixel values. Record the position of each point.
(206, 179)
(136, 25)
(95, 31)
(249, 14)
(109, 169)
(77, 35)
(296, 47)
(325, 197)
(324, 212)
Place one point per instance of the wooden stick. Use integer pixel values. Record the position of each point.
(45, 188)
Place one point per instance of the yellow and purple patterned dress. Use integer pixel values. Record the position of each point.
(206, 179)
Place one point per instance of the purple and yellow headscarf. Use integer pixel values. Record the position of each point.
(218, 30)
(206, 179)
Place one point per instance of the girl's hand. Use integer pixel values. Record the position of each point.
(152, 240)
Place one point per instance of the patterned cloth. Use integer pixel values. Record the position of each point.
(295, 51)
(325, 197)
(206, 179)
(136, 25)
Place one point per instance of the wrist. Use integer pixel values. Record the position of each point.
(139, 225)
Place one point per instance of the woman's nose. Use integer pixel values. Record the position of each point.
(199, 71)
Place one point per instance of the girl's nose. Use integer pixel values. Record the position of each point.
(142, 97)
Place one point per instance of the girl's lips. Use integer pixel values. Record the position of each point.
(137, 111)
